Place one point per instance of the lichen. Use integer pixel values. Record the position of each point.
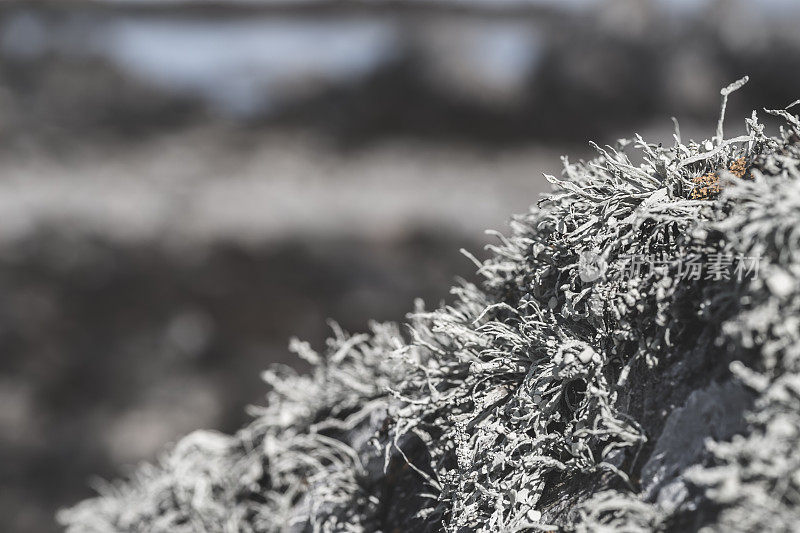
(540, 397)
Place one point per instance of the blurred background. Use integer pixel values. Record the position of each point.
(186, 185)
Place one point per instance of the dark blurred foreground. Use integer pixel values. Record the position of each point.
(183, 188)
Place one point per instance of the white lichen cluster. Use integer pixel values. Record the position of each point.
(542, 399)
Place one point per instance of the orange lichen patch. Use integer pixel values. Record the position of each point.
(708, 186)
(739, 167)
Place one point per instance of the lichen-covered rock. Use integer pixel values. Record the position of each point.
(629, 362)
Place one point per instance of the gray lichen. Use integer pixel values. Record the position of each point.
(569, 391)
